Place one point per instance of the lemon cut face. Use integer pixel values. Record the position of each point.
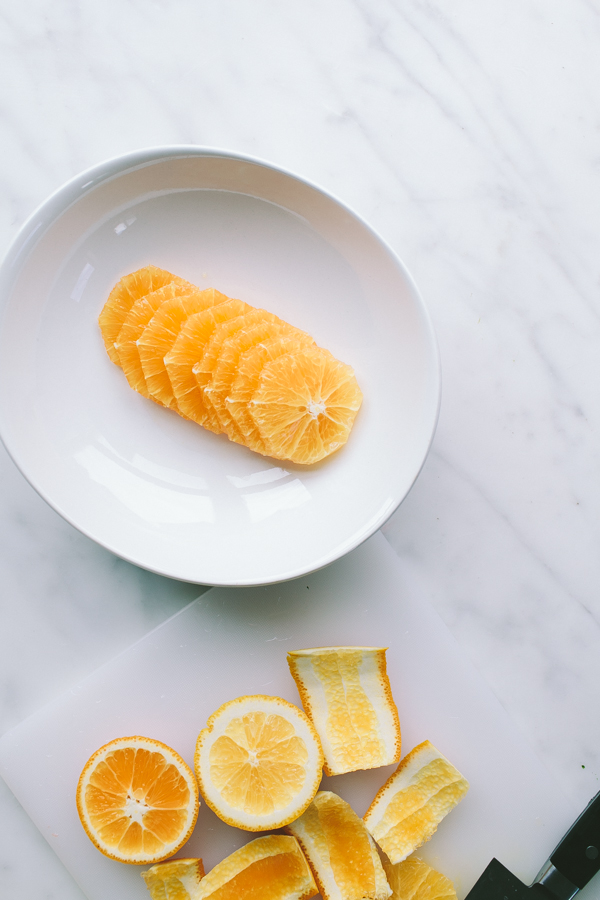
(346, 693)
(259, 762)
(409, 807)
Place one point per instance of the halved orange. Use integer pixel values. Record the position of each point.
(268, 868)
(340, 850)
(413, 879)
(137, 800)
(258, 762)
(305, 405)
(176, 880)
(245, 384)
(161, 333)
(227, 367)
(411, 804)
(138, 317)
(122, 297)
(187, 351)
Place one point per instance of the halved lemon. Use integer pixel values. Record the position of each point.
(413, 801)
(176, 880)
(413, 879)
(340, 850)
(137, 800)
(258, 762)
(346, 693)
(268, 868)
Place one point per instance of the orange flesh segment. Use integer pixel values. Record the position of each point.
(258, 764)
(267, 868)
(138, 317)
(187, 351)
(203, 370)
(246, 382)
(161, 333)
(272, 878)
(413, 879)
(341, 853)
(122, 297)
(135, 801)
(227, 368)
(305, 405)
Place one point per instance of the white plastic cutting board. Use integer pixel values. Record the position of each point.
(234, 641)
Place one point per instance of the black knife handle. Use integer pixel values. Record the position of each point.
(577, 857)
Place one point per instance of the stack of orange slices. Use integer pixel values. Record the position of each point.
(230, 367)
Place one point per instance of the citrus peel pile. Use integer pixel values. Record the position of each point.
(259, 762)
(230, 367)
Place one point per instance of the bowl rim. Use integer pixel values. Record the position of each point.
(67, 194)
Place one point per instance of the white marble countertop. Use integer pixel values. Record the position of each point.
(468, 135)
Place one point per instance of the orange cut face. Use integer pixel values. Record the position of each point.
(246, 381)
(186, 353)
(137, 800)
(226, 369)
(138, 317)
(122, 297)
(160, 334)
(305, 405)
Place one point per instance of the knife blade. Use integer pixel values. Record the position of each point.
(571, 865)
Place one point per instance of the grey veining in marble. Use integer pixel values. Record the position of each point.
(469, 136)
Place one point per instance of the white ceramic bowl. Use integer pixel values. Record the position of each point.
(158, 490)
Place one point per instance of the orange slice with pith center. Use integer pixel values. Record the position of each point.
(137, 800)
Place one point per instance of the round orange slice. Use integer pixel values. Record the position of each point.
(258, 762)
(137, 800)
(186, 353)
(160, 334)
(122, 297)
(176, 880)
(204, 369)
(305, 405)
(227, 367)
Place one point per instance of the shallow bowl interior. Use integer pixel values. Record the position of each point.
(158, 490)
